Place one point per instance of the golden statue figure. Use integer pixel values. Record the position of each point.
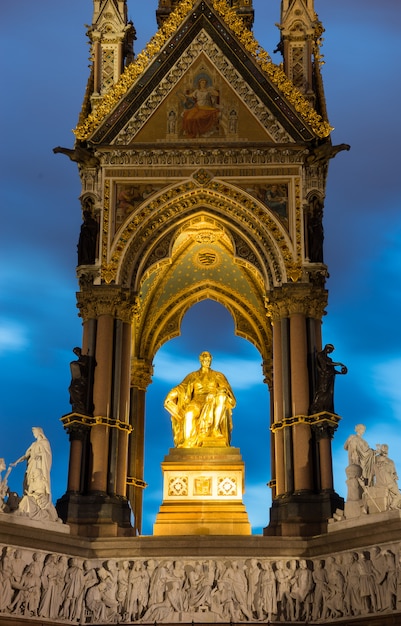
(201, 407)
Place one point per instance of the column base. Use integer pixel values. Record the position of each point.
(96, 515)
(202, 493)
(302, 514)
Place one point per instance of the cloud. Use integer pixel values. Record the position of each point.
(386, 378)
(13, 336)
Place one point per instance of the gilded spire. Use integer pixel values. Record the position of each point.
(300, 41)
(111, 36)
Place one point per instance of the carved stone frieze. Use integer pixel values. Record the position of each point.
(69, 589)
(232, 155)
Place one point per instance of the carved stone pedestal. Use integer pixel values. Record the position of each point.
(202, 493)
(96, 515)
(302, 514)
(376, 499)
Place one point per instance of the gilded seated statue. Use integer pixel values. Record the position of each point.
(200, 408)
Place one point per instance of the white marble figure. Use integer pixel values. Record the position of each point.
(386, 476)
(301, 591)
(36, 502)
(359, 453)
(372, 479)
(267, 593)
(138, 591)
(3, 484)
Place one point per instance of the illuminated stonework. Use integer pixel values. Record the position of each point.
(202, 494)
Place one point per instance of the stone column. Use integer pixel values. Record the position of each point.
(124, 411)
(78, 436)
(285, 424)
(268, 379)
(99, 437)
(303, 474)
(324, 433)
(278, 407)
(141, 377)
(96, 503)
(303, 479)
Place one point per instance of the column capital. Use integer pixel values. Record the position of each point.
(76, 425)
(325, 425)
(292, 299)
(267, 367)
(141, 373)
(107, 300)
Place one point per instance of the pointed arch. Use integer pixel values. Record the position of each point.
(155, 224)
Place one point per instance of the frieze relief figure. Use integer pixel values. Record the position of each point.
(201, 407)
(55, 587)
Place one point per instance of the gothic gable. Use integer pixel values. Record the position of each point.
(203, 97)
(258, 91)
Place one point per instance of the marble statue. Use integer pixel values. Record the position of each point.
(386, 476)
(3, 484)
(360, 454)
(36, 502)
(326, 372)
(201, 408)
(372, 478)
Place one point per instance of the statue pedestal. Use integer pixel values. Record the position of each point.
(202, 493)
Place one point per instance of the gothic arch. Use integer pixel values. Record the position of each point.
(166, 324)
(239, 212)
(203, 259)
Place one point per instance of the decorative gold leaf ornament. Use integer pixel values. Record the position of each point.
(245, 36)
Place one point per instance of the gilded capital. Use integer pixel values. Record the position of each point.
(288, 300)
(106, 300)
(141, 373)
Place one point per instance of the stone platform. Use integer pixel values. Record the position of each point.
(226, 575)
